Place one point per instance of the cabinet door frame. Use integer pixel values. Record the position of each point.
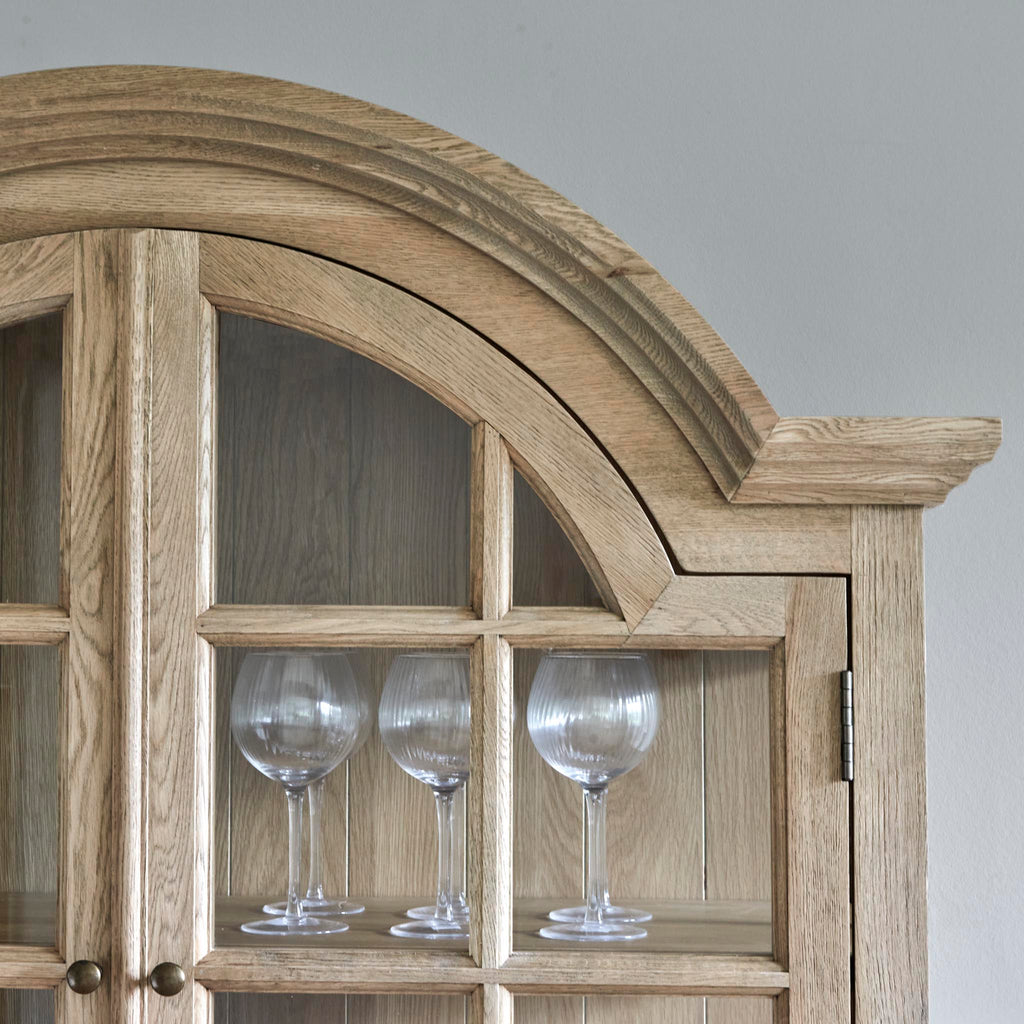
(801, 620)
(77, 276)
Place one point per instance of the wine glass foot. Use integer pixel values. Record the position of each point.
(609, 912)
(319, 908)
(596, 931)
(301, 925)
(460, 911)
(431, 928)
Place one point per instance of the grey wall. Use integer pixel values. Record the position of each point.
(839, 188)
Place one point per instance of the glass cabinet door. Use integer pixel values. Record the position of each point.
(329, 515)
(57, 480)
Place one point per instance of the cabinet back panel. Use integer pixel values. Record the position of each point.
(239, 1008)
(26, 1006)
(30, 460)
(338, 482)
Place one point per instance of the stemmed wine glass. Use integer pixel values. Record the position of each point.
(316, 901)
(295, 715)
(593, 716)
(424, 723)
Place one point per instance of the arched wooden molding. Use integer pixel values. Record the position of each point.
(591, 501)
(102, 126)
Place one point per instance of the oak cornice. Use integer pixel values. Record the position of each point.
(124, 120)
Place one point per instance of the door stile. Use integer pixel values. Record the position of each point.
(817, 828)
(89, 709)
(178, 838)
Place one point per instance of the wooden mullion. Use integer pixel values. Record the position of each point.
(490, 1004)
(33, 623)
(490, 803)
(491, 524)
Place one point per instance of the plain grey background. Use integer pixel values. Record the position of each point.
(838, 188)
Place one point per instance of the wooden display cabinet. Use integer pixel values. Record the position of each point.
(283, 369)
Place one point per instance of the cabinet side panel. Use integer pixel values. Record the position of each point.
(738, 796)
(889, 828)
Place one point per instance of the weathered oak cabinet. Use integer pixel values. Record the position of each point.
(283, 369)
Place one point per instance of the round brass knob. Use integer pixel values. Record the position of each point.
(84, 977)
(167, 979)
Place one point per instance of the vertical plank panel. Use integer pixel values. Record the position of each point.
(546, 568)
(283, 455)
(663, 860)
(654, 1009)
(547, 807)
(26, 1006)
(410, 548)
(548, 1010)
(410, 496)
(31, 404)
(817, 808)
(738, 796)
(392, 821)
(169, 319)
(889, 827)
(406, 1009)
(30, 500)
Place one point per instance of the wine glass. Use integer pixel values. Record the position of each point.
(315, 901)
(593, 716)
(424, 723)
(295, 715)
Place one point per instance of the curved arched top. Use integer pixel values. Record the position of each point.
(103, 137)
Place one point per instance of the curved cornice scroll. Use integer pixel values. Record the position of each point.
(143, 117)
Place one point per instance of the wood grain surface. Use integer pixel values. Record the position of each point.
(738, 798)
(817, 811)
(890, 868)
(613, 535)
(31, 404)
(850, 460)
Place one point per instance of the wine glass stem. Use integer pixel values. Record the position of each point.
(295, 798)
(597, 855)
(444, 800)
(315, 889)
(459, 845)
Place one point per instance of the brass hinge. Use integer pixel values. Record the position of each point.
(846, 725)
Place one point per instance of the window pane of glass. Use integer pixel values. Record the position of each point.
(704, 872)
(29, 687)
(379, 825)
(339, 482)
(546, 569)
(30, 430)
(26, 1006)
(244, 1008)
(649, 1009)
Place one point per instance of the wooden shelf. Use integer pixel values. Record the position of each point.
(718, 947)
(713, 927)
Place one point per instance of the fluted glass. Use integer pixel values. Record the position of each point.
(593, 716)
(296, 715)
(424, 723)
(316, 901)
